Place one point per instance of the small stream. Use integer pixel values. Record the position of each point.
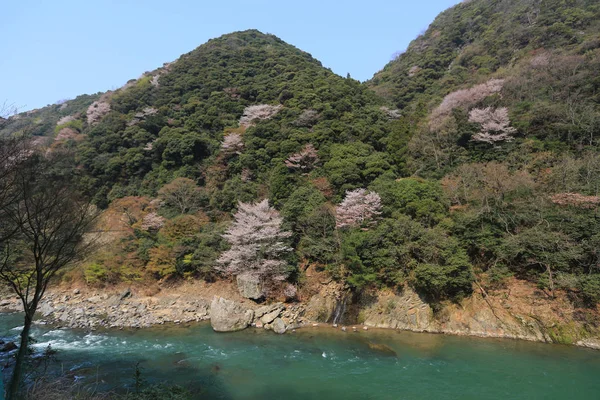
(320, 363)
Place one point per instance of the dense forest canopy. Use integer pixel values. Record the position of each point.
(470, 158)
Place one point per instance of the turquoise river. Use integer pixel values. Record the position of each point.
(320, 363)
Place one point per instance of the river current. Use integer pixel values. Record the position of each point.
(319, 363)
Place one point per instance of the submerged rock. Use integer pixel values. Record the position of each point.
(10, 346)
(229, 316)
(383, 349)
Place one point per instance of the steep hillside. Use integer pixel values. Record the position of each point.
(171, 122)
(477, 38)
(501, 100)
(43, 122)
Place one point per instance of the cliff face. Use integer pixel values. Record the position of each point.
(518, 311)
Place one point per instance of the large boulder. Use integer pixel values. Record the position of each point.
(250, 286)
(278, 326)
(229, 316)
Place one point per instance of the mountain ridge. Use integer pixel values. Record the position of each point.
(478, 148)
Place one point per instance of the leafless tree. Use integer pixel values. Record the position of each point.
(13, 153)
(46, 223)
(7, 109)
(182, 194)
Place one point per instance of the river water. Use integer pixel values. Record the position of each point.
(320, 363)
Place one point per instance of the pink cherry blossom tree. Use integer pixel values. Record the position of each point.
(495, 125)
(152, 222)
(232, 144)
(258, 112)
(257, 243)
(359, 207)
(463, 98)
(305, 160)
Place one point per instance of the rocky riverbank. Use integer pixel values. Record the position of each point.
(130, 308)
(518, 311)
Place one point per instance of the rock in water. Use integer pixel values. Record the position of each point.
(250, 286)
(10, 346)
(229, 316)
(383, 349)
(279, 326)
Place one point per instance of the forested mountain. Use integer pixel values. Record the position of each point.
(471, 157)
(501, 101)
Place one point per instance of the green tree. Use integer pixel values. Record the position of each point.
(539, 248)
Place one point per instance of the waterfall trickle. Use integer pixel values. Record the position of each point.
(340, 308)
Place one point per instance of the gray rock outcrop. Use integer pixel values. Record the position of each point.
(229, 316)
(270, 317)
(46, 309)
(404, 310)
(249, 286)
(260, 311)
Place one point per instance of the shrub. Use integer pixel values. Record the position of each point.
(589, 286)
(95, 273)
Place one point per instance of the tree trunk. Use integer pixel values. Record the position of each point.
(550, 280)
(15, 382)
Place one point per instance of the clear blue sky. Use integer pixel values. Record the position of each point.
(53, 50)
